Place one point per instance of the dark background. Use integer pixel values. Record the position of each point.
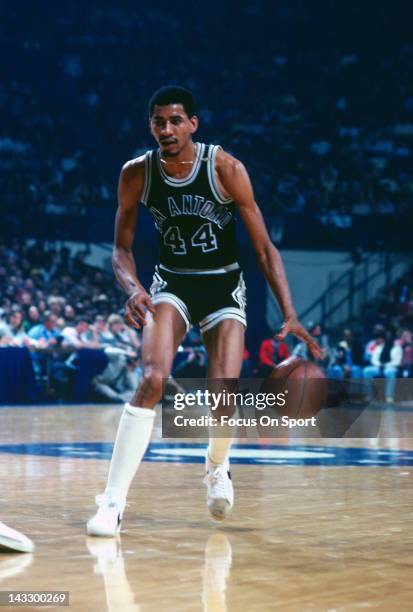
(271, 79)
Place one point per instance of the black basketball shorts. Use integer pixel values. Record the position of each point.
(206, 297)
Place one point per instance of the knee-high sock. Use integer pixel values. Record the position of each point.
(218, 448)
(132, 439)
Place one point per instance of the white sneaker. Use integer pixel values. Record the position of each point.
(220, 492)
(106, 522)
(14, 540)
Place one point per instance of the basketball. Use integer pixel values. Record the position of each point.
(303, 384)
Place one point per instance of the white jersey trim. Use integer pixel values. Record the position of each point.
(211, 176)
(169, 180)
(148, 177)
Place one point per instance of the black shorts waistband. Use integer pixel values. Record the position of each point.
(223, 270)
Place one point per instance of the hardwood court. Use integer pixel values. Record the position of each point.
(301, 537)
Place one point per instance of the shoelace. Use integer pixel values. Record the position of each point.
(103, 501)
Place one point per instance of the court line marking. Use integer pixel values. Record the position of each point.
(248, 454)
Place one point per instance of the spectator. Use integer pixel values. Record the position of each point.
(32, 319)
(272, 352)
(56, 305)
(100, 331)
(46, 333)
(13, 334)
(121, 335)
(347, 359)
(193, 365)
(378, 335)
(301, 349)
(47, 336)
(69, 313)
(119, 379)
(78, 336)
(386, 358)
(406, 344)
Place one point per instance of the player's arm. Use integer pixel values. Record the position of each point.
(234, 178)
(130, 190)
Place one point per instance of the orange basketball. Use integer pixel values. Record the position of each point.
(303, 385)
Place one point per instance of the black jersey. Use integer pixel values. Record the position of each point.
(196, 226)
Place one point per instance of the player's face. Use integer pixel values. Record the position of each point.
(172, 128)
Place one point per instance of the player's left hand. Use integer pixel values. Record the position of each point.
(293, 326)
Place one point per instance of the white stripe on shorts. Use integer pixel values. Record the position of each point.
(219, 315)
(163, 297)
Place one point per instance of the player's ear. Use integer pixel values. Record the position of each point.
(194, 123)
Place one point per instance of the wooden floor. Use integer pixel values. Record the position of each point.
(329, 537)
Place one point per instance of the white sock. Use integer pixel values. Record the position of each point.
(132, 439)
(218, 448)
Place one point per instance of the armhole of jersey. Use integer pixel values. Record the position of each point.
(148, 177)
(213, 149)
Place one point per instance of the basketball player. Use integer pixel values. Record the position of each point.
(193, 191)
(14, 541)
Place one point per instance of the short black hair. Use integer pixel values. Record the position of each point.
(173, 94)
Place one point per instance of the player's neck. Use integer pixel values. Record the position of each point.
(180, 165)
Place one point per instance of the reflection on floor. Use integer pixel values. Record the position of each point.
(317, 524)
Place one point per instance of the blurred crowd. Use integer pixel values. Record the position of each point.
(54, 303)
(322, 120)
(382, 347)
(324, 129)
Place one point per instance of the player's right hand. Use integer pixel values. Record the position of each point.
(293, 326)
(136, 307)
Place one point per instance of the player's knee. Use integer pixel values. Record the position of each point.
(152, 381)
